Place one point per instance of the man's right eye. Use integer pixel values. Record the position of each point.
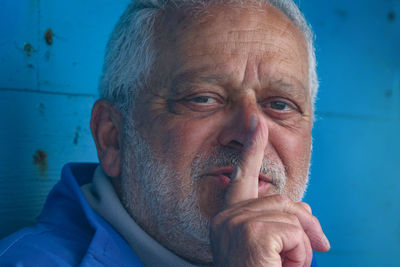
(203, 100)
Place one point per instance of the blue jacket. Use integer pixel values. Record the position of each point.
(69, 232)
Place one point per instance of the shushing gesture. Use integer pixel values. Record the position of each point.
(262, 231)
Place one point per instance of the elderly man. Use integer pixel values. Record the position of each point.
(203, 134)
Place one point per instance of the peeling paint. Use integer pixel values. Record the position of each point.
(48, 36)
(40, 160)
(28, 49)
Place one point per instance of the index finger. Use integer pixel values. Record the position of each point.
(244, 180)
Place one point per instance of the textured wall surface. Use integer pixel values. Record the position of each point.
(51, 54)
(355, 186)
(50, 59)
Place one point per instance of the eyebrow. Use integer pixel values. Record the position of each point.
(195, 76)
(296, 86)
(198, 75)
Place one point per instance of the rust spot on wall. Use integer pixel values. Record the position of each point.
(40, 160)
(48, 36)
(28, 49)
(391, 16)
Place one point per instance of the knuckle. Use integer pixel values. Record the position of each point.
(293, 219)
(306, 206)
(296, 232)
(315, 221)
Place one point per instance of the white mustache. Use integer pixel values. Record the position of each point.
(227, 156)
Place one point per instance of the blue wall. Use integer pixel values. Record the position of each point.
(47, 89)
(355, 187)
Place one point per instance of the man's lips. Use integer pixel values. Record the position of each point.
(224, 176)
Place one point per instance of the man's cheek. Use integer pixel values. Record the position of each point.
(186, 138)
(292, 148)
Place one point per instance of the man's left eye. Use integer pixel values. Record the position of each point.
(279, 105)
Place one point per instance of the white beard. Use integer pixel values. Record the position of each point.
(165, 202)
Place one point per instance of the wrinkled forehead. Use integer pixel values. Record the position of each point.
(175, 24)
(187, 33)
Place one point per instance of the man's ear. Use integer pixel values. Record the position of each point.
(106, 127)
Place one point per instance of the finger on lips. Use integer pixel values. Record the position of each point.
(244, 182)
(291, 225)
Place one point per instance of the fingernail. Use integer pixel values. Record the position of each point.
(326, 241)
(253, 122)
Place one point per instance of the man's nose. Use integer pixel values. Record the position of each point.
(235, 130)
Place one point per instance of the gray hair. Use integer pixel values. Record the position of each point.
(131, 53)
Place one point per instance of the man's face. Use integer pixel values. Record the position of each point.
(188, 133)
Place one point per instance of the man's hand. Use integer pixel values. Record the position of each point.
(268, 231)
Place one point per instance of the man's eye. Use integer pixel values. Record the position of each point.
(203, 100)
(279, 105)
